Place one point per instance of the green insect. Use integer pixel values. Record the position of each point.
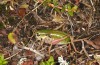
(53, 36)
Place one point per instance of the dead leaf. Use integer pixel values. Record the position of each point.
(3, 32)
(21, 12)
(92, 44)
(28, 62)
(57, 18)
(12, 37)
(97, 40)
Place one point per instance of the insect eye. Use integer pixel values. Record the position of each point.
(48, 35)
(37, 34)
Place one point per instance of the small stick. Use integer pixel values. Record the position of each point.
(72, 42)
(25, 16)
(33, 50)
(84, 49)
(93, 5)
(50, 48)
(13, 55)
(57, 48)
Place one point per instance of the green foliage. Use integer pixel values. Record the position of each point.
(50, 61)
(55, 2)
(70, 7)
(63, 8)
(70, 12)
(2, 60)
(45, 3)
(57, 10)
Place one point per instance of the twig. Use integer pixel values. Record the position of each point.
(50, 48)
(84, 49)
(38, 18)
(71, 24)
(25, 16)
(57, 48)
(73, 44)
(92, 44)
(33, 50)
(58, 27)
(93, 5)
(87, 5)
(13, 55)
(1, 20)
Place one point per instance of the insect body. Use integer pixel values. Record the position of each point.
(52, 35)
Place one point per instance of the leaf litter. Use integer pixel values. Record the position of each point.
(83, 26)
